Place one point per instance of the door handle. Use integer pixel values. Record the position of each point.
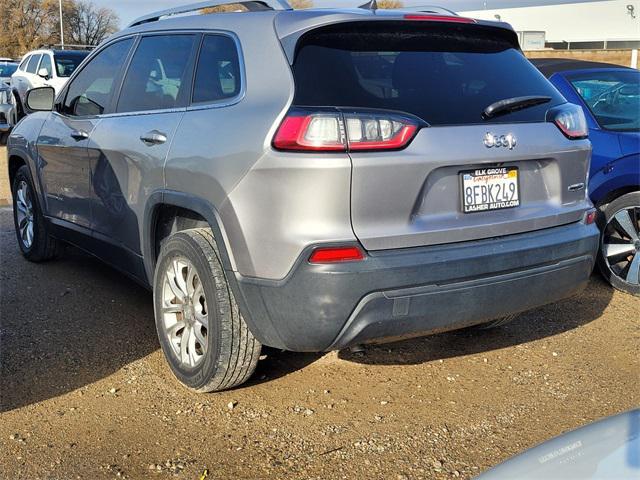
(79, 135)
(153, 137)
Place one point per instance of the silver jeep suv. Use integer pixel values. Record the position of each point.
(310, 180)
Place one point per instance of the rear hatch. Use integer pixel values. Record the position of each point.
(460, 175)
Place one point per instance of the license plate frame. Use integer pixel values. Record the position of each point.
(494, 175)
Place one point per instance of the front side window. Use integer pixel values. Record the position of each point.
(218, 72)
(46, 64)
(91, 90)
(32, 66)
(612, 96)
(24, 63)
(158, 75)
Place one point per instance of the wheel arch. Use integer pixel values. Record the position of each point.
(205, 211)
(202, 212)
(14, 163)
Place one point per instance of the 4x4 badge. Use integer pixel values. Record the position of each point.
(508, 140)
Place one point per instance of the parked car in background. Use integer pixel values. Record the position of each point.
(310, 179)
(41, 68)
(7, 68)
(604, 450)
(7, 112)
(610, 97)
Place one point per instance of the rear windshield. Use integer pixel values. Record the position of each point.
(66, 63)
(7, 69)
(444, 74)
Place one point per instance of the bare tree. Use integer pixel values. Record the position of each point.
(390, 4)
(33, 23)
(86, 24)
(27, 25)
(238, 7)
(301, 4)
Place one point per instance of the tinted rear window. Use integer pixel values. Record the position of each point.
(446, 75)
(66, 64)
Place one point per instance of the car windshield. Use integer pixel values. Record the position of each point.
(612, 96)
(7, 69)
(66, 63)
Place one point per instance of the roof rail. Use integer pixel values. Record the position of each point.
(251, 5)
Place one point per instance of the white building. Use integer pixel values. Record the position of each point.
(610, 24)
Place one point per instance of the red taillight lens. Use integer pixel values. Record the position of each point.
(570, 119)
(590, 216)
(438, 18)
(337, 131)
(336, 255)
(314, 132)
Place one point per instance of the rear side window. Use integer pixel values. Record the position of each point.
(91, 90)
(158, 77)
(32, 66)
(446, 75)
(218, 71)
(46, 64)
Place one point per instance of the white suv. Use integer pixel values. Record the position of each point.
(41, 68)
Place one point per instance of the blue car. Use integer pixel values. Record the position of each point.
(610, 97)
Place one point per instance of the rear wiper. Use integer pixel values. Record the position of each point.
(509, 105)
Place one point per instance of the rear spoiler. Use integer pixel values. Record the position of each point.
(291, 28)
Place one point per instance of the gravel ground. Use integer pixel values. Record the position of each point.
(85, 392)
(5, 191)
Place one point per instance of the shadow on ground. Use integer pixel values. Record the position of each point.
(73, 321)
(529, 326)
(65, 324)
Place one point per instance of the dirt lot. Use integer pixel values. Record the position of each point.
(5, 191)
(85, 392)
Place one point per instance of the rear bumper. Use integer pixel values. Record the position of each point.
(417, 291)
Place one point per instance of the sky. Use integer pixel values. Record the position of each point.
(129, 10)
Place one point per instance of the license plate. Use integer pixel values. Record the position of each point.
(488, 189)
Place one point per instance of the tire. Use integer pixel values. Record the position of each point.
(219, 351)
(4, 136)
(498, 322)
(619, 254)
(31, 228)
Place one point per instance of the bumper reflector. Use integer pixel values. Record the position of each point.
(336, 255)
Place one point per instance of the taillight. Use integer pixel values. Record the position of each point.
(439, 18)
(570, 119)
(348, 130)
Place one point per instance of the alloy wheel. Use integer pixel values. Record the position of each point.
(621, 245)
(184, 312)
(24, 211)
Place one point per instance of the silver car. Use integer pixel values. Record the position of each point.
(310, 180)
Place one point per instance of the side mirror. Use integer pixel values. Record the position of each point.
(41, 99)
(44, 73)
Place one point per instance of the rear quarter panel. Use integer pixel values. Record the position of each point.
(265, 200)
